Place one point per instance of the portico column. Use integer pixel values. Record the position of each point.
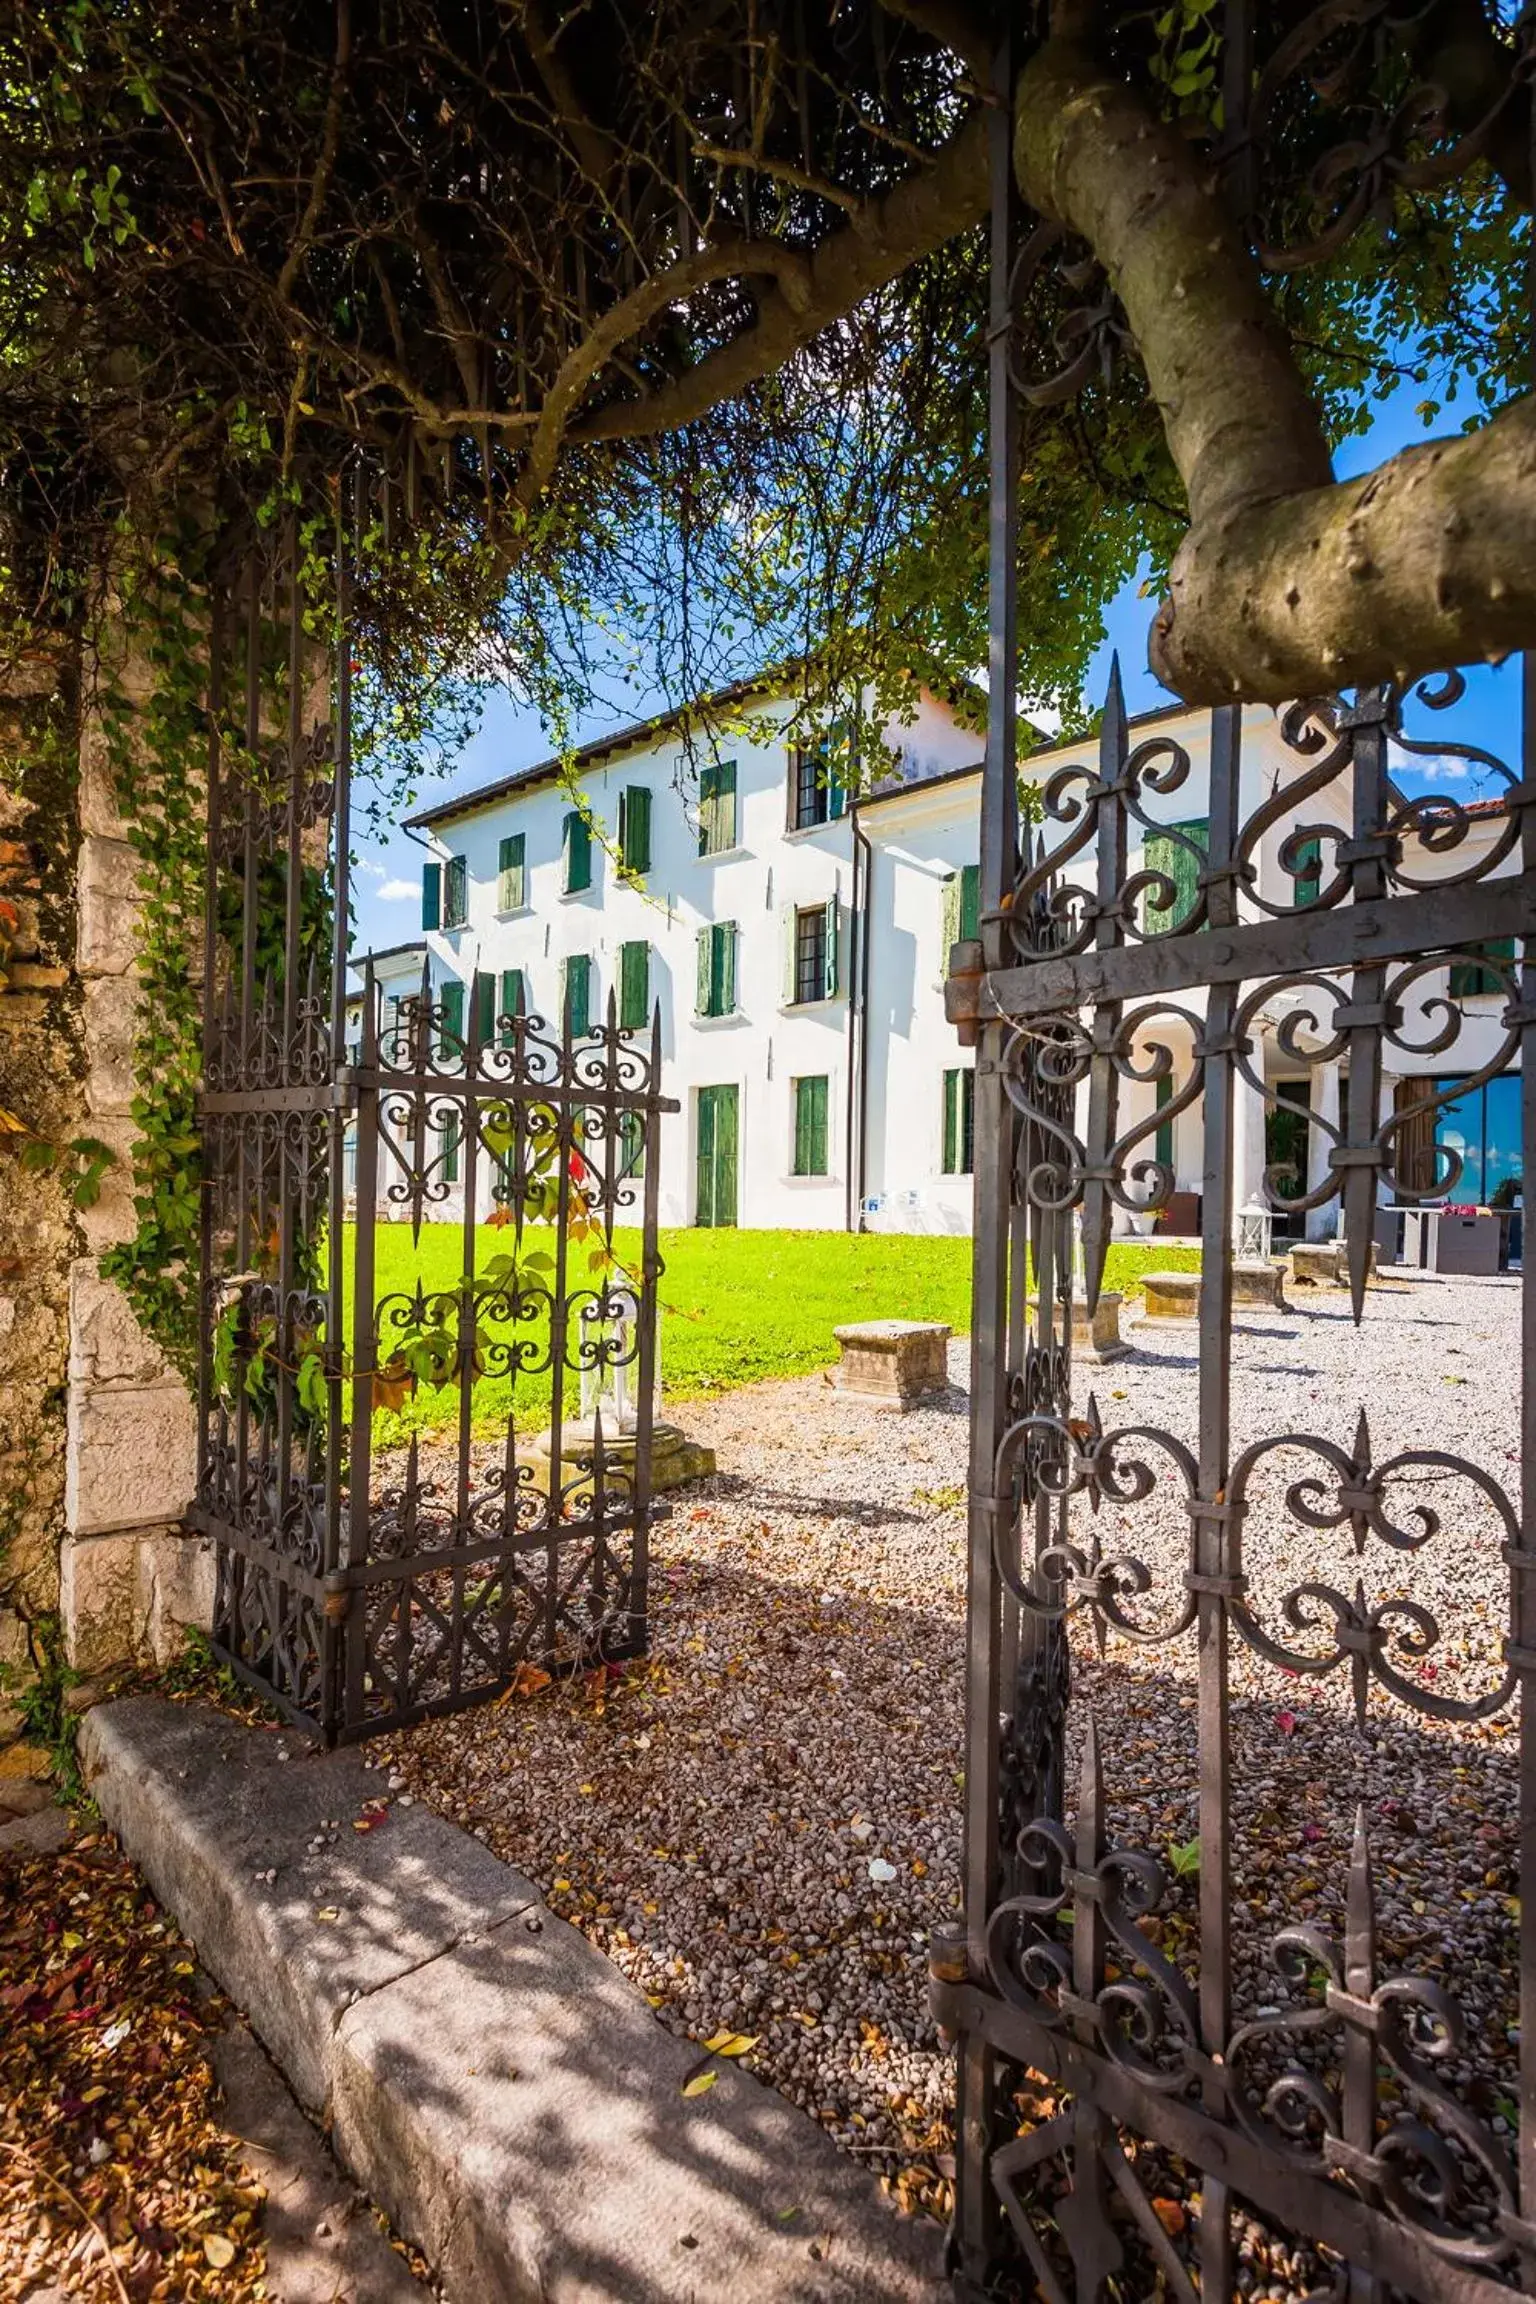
(1248, 1109)
(1322, 1223)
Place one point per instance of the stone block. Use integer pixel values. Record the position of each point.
(101, 811)
(1098, 1338)
(896, 1362)
(1256, 1280)
(109, 907)
(208, 1809)
(132, 1458)
(112, 1217)
(99, 1599)
(111, 1009)
(1171, 1296)
(177, 1575)
(106, 1343)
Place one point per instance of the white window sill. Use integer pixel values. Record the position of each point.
(712, 1023)
(723, 855)
(576, 895)
(806, 1007)
(518, 912)
(800, 1183)
(805, 831)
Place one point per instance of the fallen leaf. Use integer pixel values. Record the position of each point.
(219, 2250)
(1170, 2214)
(700, 2083)
(731, 2043)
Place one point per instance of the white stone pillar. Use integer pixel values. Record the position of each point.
(1248, 1110)
(1323, 1223)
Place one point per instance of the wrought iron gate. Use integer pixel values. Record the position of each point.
(1333, 2113)
(377, 1563)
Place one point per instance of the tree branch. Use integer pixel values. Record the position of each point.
(892, 234)
(1286, 580)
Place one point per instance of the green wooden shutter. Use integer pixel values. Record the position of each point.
(449, 1133)
(510, 881)
(451, 1002)
(829, 953)
(949, 929)
(951, 1122)
(1468, 979)
(511, 1000)
(577, 1002)
(725, 1156)
(431, 895)
(1181, 865)
(1163, 1145)
(970, 903)
(967, 1121)
(635, 828)
(717, 807)
(456, 893)
(728, 970)
(704, 944)
(722, 969)
(1309, 876)
(485, 1006)
(811, 1126)
(634, 986)
(577, 843)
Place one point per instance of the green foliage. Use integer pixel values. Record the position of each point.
(46, 1717)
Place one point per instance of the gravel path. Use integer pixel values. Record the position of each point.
(761, 1825)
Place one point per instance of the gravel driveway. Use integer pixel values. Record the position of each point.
(761, 1826)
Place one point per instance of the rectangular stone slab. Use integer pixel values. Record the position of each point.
(207, 1809)
(491, 2079)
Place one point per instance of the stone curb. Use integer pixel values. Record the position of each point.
(490, 2079)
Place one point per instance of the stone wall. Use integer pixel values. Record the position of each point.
(42, 1089)
(96, 1429)
(129, 1579)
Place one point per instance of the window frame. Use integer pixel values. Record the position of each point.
(957, 1136)
(512, 877)
(455, 894)
(718, 832)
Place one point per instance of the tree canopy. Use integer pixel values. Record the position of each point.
(675, 312)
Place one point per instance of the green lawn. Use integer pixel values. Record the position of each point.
(737, 1306)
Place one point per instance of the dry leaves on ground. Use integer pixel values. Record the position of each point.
(117, 2181)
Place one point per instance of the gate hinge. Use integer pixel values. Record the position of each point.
(338, 1598)
(962, 989)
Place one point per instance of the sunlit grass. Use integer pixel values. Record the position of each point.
(737, 1307)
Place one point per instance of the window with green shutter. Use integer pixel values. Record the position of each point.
(1162, 1092)
(513, 1001)
(577, 1002)
(511, 873)
(959, 1122)
(635, 829)
(811, 1126)
(716, 989)
(1309, 870)
(1469, 981)
(1179, 861)
(431, 895)
(818, 780)
(448, 1137)
(962, 910)
(451, 1005)
(717, 808)
(577, 852)
(634, 986)
(456, 893)
(485, 1006)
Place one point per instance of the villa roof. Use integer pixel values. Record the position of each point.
(638, 733)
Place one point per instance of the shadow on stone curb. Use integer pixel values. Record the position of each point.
(492, 2081)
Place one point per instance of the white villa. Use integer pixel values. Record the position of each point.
(796, 942)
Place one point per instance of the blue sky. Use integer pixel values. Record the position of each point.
(387, 875)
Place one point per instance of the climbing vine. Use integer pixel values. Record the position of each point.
(152, 743)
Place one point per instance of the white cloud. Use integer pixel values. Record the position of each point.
(396, 891)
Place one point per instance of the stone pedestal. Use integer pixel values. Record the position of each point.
(1325, 1264)
(1171, 1298)
(893, 1363)
(1100, 1337)
(1255, 1280)
(674, 1458)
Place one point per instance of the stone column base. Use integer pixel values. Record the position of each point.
(674, 1458)
(132, 1593)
